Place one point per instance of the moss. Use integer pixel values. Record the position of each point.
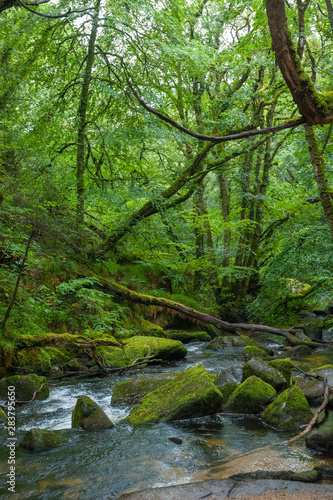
(191, 394)
(3, 417)
(250, 396)
(267, 373)
(35, 360)
(131, 391)
(89, 415)
(283, 366)
(254, 352)
(237, 341)
(226, 391)
(58, 355)
(289, 411)
(324, 367)
(188, 336)
(145, 327)
(25, 386)
(41, 439)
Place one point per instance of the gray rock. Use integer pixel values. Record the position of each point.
(322, 441)
(89, 415)
(268, 374)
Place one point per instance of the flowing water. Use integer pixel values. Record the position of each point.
(104, 464)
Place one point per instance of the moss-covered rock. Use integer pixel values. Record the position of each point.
(254, 352)
(326, 372)
(41, 439)
(321, 441)
(237, 341)
(140, 347)
(267, 373)
(131, 391)
(289, 411)
(25, 386)
(299, 351)
(312, 388)
(226, 391)
(59, 356)
(283, 366)
(137, 325)
(34, 360)
(250, 396)
(89, 415)
(189, 395)
(188, 336)
(3, 417)
(232, 375)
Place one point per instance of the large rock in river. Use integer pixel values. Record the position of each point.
(131, 391)
(41, 439)
(250, 396)
(267, 373)
(220, 343)
(140, 347)
(321, 441)
(189, 395)
(89, 415)
(24, 387)
(289, 411)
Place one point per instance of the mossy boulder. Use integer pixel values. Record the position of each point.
(59, 356)
(289, 411)
(312, 388)
(250, 396)
(89, 415)
(188, 336)
(140, 326)
(299, 351)
(226, 391)
(325, 371)
(267, 373)
(284, 366)
(254, 352)
(189, 395)
(140, 347)
(41, 440)
(34, 360)
(3, 417)
(25, 386)
(231, 340)
(131, 391)
(232, 375)
(321, 441)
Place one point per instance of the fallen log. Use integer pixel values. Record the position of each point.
(122, 291)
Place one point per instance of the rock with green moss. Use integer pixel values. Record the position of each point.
(232, 340)
(59, 356)
(312, 388)
(284, 366)
(25, 386)
(137, 325)
(131, 391)
(3, 417)
(189, 395)
(227, 390)
(321, 441)
(254, 352)
(232, 375)
(267, 373)
(141, 347)
(289, 411)
(326, 372)
(34, 360)
(250, 396)
(188, 336)
(89, 415)
(299, 351)
(41, 440)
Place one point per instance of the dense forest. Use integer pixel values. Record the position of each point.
(176, 149)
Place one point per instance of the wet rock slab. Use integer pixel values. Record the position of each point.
(228, 488)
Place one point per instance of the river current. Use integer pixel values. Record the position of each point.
(104, 464)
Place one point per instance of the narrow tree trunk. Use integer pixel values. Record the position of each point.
(319, 170)
(82, 116)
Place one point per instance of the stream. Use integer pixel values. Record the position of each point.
(104, 464)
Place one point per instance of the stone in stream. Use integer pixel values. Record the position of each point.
(89, 415)
(189, 395)
(321, 441)
(255, 352)
(220, 343)
(140, 347)
(250, 396)
(289, 411)
(25, 386)
(313, 389)
(131, 391)
(267, 373)
(41, 440)
(188, 336)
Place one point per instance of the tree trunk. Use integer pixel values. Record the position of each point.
(319, 169)
(82, 116)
